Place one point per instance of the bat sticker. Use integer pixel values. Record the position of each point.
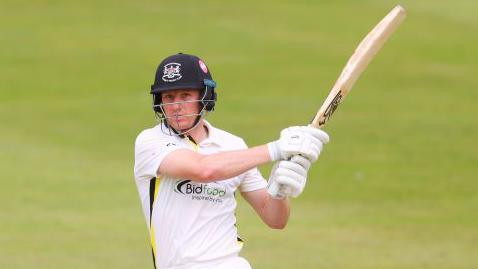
(331, 108)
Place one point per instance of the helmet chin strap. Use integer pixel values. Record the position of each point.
(181, 132)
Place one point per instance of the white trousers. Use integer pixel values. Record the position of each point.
(227, 263)
(234, 263)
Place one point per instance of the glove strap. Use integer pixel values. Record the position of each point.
(274, 152)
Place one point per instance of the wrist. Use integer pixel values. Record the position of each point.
(274, 152)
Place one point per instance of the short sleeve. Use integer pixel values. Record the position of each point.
(149, 151)
(252, 179)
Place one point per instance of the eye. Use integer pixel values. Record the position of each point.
(186, 96)
(167, 97)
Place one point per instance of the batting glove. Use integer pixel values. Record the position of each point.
(298, 140)
(288, 178)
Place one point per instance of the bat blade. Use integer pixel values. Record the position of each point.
(357, 63)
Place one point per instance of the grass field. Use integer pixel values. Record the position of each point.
(395, 189)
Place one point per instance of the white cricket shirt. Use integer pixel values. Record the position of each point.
(189, 222)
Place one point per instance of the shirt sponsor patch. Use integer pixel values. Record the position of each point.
(201, 192)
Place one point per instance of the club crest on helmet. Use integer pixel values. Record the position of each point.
(171, 72)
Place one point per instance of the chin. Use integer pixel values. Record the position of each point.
(182, 127)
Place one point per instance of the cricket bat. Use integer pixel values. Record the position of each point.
(356, 64)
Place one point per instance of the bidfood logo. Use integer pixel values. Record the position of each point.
(200, 191)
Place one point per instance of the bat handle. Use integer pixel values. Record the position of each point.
(284, 191)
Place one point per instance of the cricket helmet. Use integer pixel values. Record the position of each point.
(184, 71)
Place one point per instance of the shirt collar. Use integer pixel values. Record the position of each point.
(213, 135)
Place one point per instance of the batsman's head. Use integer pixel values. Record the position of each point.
(183, 91)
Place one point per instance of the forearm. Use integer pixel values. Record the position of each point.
(228, 164)
(275, 212)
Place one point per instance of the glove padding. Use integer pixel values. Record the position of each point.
(298, 140)
(288, 178)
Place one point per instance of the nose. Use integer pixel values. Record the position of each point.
(176, 105)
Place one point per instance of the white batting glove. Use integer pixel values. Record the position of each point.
(298, 140)
(288, 178)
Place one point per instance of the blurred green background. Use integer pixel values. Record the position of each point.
(395, 188)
